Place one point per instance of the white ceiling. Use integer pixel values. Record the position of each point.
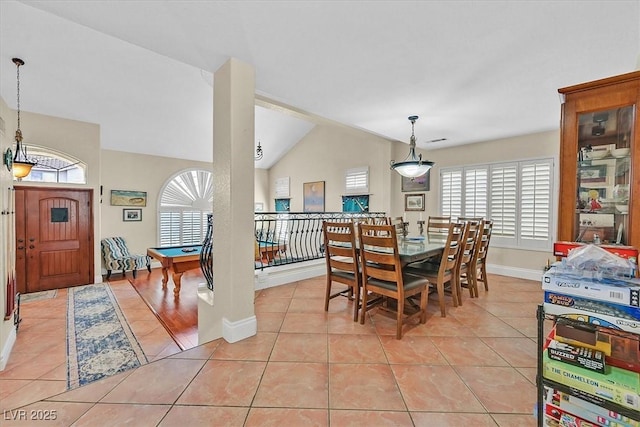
(472, 70)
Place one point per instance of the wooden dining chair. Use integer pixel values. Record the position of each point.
(470, 218)
(467, 261)
(342, 263)
(438, 224)
(445, 272)
(397, 223)
(481, 257)
(383, 220)
(382, 274)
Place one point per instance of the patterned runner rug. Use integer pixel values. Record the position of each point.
(99, 340)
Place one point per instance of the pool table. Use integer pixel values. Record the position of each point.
(177, 258)
(269, 250)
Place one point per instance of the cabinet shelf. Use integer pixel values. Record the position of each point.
(600, 115)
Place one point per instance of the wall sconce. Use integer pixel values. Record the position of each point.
(20, 164)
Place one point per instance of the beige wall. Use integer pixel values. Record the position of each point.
(261, 189)
(128, 171)
(7, 329)
(324, 154)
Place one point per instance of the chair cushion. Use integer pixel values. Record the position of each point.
(410, 281)
(116, 255)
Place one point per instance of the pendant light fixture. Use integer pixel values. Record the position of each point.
(21, 164)
(413, 166)
(259, 152)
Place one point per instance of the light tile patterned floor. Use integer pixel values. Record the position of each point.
(305, 367)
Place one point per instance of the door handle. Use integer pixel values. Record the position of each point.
(20, 240)
(20, 247)
(32, 239)
(31, 246)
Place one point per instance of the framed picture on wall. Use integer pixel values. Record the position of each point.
(128, 198)
(414, 202)
(132, 214)
(420, 183)
(313, 196)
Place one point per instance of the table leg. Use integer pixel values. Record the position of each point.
(165, 277)
(177, 279)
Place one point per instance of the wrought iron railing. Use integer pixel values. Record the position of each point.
(292, 237)
(283, 238)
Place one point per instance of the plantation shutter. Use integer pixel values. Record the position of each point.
(357, 181)
(451, 192)
(535, 203)
(184, 203)
(503, 199)
(282, 187)
(169, 228)
(475, 197)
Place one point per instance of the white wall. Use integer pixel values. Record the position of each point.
(324, 154)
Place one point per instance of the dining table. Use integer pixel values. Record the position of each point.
(419, 248)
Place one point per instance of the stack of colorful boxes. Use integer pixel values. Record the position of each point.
(591, 359)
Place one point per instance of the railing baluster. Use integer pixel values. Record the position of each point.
(288, 238)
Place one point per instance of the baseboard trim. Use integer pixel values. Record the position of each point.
(274, 276)
(6, 350)
(520, 273)
(240, 329)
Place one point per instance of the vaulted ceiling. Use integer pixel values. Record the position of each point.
(472, 70)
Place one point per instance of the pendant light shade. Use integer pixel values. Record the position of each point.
(413, 166)
(21, 164)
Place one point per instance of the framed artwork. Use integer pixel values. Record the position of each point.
(132, 214)
(414, 202)
(420, 183)
(355, 203)
(283, 205)
(313, 196)
(128, 198)
(593, 174)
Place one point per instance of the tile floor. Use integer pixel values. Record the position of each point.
(305, 367)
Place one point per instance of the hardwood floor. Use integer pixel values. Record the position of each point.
(179, 315)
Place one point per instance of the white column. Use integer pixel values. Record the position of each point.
(231, 315)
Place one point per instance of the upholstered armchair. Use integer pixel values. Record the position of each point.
(116, 256)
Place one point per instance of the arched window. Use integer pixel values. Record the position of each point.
(185, 201)
(54, 166)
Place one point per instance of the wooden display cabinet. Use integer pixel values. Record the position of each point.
(599, 150)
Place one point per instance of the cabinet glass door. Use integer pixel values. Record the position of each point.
(604, 172)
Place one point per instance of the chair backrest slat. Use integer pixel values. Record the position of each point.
(379, 254)
(438, 224)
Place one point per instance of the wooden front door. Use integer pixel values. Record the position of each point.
(54, 238)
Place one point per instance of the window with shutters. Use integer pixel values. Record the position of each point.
(185, 201)
(357, 181)
(515, 195)
(451, 192)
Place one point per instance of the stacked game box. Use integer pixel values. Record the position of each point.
(591, 358)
